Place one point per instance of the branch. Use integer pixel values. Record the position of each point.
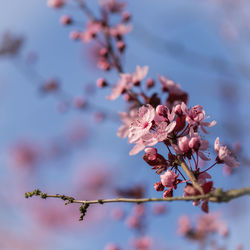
(216, 196)
(190, 175)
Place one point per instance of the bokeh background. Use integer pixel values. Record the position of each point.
(203, 45)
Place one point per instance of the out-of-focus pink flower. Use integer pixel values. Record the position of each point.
(114, 6)
(111, 246)
(120, 30)
(127, 81)
(66, 20)
(50, 86)
(55, 3)
(224, 155)
(101, 83)
(184, 225)
(91, 31)
(168, 178)
(24, 154)
(159, 209)
(79, 102)
(127, 118)
(142, 243)
(74, 35)
(117, 213)
(175, 93)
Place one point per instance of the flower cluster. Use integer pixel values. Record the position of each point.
(180, 128)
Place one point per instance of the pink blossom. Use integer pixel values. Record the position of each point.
(55, 3)
(175, 93)
(224, 155)
(113, 6)
(159, 209)
(101, 83)
(127, 81)
(141, 143)
(142, 124)
(65, 20)
(184, 225)
(127, 118)
(168, 178)
(74, 35)
(195, 117)
(111, 246)
(197, 144)
(92, 29)
(119, 30)
(142, 243)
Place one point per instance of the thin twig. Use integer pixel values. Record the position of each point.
(216, 196)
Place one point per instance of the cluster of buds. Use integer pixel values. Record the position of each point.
(107, 34)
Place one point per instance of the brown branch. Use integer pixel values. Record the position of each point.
(190, 174)
(216, 196)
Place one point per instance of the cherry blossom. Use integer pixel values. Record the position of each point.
(224, 155)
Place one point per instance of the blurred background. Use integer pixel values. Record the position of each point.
(65, 142)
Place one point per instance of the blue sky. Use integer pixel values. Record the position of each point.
(24, 113)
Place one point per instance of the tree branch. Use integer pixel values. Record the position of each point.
(190, 175)
(216, 196)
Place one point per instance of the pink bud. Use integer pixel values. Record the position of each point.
(168, 193)
(183, 144)
(152, 153)
(168, 178)
(162, 110)
(158, 186)
(150, 83)
(111, 246)
(126, 16)
(103, 52)
(55, 3)
(79, 102)
(101, 83)
(120, 46)
(74, 35)
(66, 20)
(194, 143)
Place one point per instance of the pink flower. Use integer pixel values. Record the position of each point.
(184, 225)
(142, 124)
(197, 144)
(55, 3)
(127, 118)
(195, 117)
(147, 140)
(111, 246)
(175, 93)
(113, 5)
(142, 243)
(224, 155)
(127, 81)
(65, 20)
(120, 30)
(168, 178)
(91, 31)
